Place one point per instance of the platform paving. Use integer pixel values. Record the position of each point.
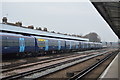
(112, 71)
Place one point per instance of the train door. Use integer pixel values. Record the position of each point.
(46, 45)
(21, 45)
(59, 44)
(77, 45)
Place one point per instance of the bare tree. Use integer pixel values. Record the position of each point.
(38, 28)
(19, 24)
(31, 27)
(4, 20)
(93, 37)
(45, 29)
(52, 31)
(58, 33)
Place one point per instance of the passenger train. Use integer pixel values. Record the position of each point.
(21, 45)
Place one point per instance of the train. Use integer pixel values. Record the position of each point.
(23, 45)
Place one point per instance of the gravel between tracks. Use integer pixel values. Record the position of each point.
(37, 66)
(16, 62)
(62, 75)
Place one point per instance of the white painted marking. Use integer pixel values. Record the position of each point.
(106, 71)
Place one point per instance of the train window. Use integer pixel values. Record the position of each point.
(53, 43)
(79, 44)
(29, 42)
(12, 42)
(88, 45)
(73, 43)
(9, 41)
(62, 43)
(4, 42)
(67, 43)
(41, 43)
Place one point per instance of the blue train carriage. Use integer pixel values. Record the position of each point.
(40, 45)
(61, 45)
(85, 45)
(15, 44)
(49, 45)
(70, 45)
(73, 45)
(77, 45)
(89, 45)
(29, 42)
(92, 45)
(99, 45)
(95, 45)
(82, 45)
(56, 45)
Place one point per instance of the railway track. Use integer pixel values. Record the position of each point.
(37, 63)
(44, 67)
(84, 72)
(8, 64)
(15, 63)
(35, 71)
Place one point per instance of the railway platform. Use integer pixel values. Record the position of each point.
(112, 72)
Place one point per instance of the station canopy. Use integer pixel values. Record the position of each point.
(27, 31)
(110, 11)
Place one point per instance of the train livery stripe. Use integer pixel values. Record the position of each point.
(59, 46)
(46, 47)
(21, 45)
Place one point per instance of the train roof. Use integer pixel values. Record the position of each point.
(16, 35)
(38, 37)
(21, 30)
(2, 33)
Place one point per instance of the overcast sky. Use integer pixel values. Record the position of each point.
(66, 17)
